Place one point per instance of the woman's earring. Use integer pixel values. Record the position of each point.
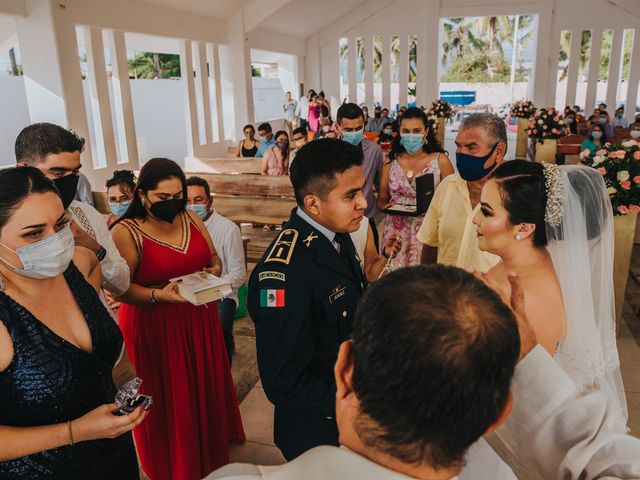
(2, 287)
(518, 237)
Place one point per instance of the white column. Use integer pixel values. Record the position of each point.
(189, 96)
(312, 75)
(213, 57)
(368, 70)
(53, 85)
(634, 78)
(403, 77)
(105, 146)
(385, 69)
(125, 126)
(540, 73)
(431, 52)
(574, 63)
(330, 58)
(204, 103)
(594, 66)
(235, 63)
(353, 83)
(614, 70)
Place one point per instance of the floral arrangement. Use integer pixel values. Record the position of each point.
(546, 124)
(433, 121)
(441, 108)
(620, 167)
(523, 109)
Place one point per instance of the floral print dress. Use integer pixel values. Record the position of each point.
(403, 191)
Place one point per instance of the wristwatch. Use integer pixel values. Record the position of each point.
(101, 254)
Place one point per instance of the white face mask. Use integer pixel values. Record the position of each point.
(46, 258)
(635, 134)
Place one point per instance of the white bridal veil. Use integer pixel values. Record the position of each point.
(581, 245)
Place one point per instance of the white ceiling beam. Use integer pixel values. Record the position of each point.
(276, 42)
(140, 17)
(355, 17)
(258, 11)
(14, 8)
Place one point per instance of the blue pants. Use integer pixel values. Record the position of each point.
(226, 310)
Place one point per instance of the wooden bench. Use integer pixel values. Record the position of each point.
(252, 199)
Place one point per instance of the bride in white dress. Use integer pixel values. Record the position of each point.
(554, 227)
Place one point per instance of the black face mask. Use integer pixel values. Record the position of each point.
(67, 186)
(377, 114)
(167, 210)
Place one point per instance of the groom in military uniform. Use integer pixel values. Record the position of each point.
(304, 291)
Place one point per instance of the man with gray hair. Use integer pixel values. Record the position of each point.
(447, 232)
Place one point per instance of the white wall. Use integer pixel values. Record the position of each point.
(14, 116)
(268, 98)
(158, 110)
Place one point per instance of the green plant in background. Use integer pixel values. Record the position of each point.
(154, 65)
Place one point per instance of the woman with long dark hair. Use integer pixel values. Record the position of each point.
(119, 193)
(177, 348)
(58, 346)
(415, 151)
(276, 159)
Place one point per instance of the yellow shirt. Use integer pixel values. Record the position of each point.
(448, 227)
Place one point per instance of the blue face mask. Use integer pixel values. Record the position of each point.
(354, 138)
(201, 210)
(596, 135)
(602, 120)
(569, 120)
(472, 168)
(412, 142)
(118, 209)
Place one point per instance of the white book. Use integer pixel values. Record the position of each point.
(200, 288)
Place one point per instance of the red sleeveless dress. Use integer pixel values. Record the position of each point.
(179, 352)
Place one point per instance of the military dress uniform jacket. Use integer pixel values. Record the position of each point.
(302, 298)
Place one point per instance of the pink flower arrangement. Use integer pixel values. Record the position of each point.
(620, 170)
(545, 124)
(522, 109)
(441, 108)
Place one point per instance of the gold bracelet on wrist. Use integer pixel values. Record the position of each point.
(153, 296)
(70, 433)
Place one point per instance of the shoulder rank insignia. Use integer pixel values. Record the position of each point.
(307, 241)
(283, 248)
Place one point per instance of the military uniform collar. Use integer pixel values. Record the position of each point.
(331, 236)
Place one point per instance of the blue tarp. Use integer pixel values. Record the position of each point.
(460, 97)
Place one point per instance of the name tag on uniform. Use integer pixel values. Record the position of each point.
(337, 294)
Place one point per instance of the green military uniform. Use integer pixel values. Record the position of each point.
(302, 298)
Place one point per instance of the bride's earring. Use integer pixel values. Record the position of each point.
(518, 237)
(2, 287)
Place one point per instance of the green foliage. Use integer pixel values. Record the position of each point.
(255, 72)
(473, 48)
(154, 65)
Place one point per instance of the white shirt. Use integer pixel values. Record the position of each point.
(359, 238)
(320, 463)
(555, 431)
(115, 271)
(227, 239)
(302, 110)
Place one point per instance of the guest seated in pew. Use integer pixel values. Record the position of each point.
(634, 132)
(248, 146)
(227, 240)
(595, 139)
(265, 138)
(572, 124)
(300, 138)
(119, 193)
(619, 121)
(276, 159)
(477, 355)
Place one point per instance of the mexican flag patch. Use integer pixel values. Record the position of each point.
(271, 298)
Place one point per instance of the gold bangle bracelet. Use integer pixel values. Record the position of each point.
(70, 433)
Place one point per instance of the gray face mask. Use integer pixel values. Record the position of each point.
(46, 258)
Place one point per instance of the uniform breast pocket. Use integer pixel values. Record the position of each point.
(339, 307)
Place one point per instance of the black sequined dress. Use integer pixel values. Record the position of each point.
(52, 381)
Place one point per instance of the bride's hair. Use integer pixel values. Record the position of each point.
(524, 196)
